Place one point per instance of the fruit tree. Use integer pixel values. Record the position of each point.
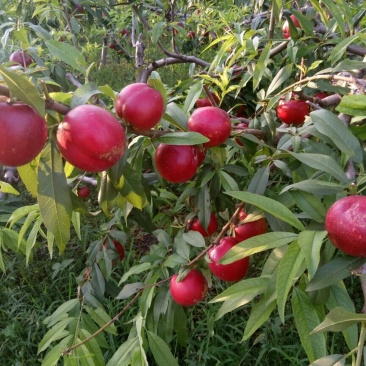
(225, 144)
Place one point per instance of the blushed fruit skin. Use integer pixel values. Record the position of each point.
(249, 229)
(119, 248)
(23, 134)
(17, 57)
(83, 191)
(91, 138)
(345, 223)
(176, 163)
(212, 122)
(211, 228)
(140, 105)
(286, 27)
(191, 290)
(200, 153)
(231, 272)
(205, 102)
(293, 112)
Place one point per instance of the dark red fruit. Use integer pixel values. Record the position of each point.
(83, 191)
(286, 27)
(321, 95)
(293, 112)
(140, 105)
(112, 46)
(91, 138)
(191, 290)
(191, 35)
(249, 229)
(21, 58)
(345, 223)
(123, 31)
(118, 247)
(200, 153)
(211, 228)
(232, 272)
(212, 122)
(176, 163)
(23, 134)
(205, 102)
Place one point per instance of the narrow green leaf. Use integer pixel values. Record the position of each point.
(8, 188)
(310, 204)
(318, 187)
(194, 93)
(331, 360)
(160, 351)
(53, 356)
(101, 318)
(29, 176)
(338, 15)
(54, 196)
(129, 289)
(257, 244)
(306, 318)
(61, 312)
(23, 89)
(68, 54)
(228, 183)
(124, 353)
(176, 116)
(142, 267)
(287, 274)
(322, 163)
(281, 76)
(93, 348)
(157, 30)
(182, 138)
(339, 50)
(336, 270)
(330, 125)
(269, 205)
(355, 105)
(339, 319)
(261, 66)
(194, 238)
(83, 93)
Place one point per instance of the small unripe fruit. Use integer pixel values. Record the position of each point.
(191, 290)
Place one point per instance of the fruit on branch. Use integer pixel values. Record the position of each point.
(176, 163)
(246, 230)
(191, 35)
(191, 290)
(211, 228)
(345, 223)
(21, 58)
(124, 31)
(205, 102)
(112, 46)
(83, 191)
(321, 95)
(23, 133)
(286, 27)
(140, 105)
(232, 272)
(212, 122)
(200, 153)
(91, 138)
(117, 246)
(293, 112)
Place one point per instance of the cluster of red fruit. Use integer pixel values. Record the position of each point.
(193, 287)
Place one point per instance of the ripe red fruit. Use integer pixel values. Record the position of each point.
(176, 163)
(205, 102)
(232, 272)
(118, 247)
(112, 46)
(21, 58)
(321, 95)
(191, 290)
(293, 112)
(286, 27)
(211, 228)
(123, 31)
(345, 223)
(140, 105)
(200, 153)
(249, 229)
(212, 122)
(23, 134)
(83, 191)
(242, 214)
(191, 35)
(91, 138)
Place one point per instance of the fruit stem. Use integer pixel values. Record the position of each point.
(361, 343)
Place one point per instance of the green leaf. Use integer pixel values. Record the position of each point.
(194, 238)
(176, 116)
(101, 318)
(23, 89)
(269, 205)
(330, 125)
(339, 50)
(318, 187)
(68, 54)
(194, 93)
(52, 357)
(322, 163)
(335, 270)
(93, 348)
(124, 353)
(129, 289)
(261, 310)
(261, 66)
(29, 176)
(228, 183)
(287, 274)
(156, 31)
(311, 244)
(354, 105)
(82, 94)
(310, 204)
(142, 267)
(334, 9)
(331, 360)
(160, 351)
(339, 319)
(54, 196)
(281, 76)
(8, 188)
(306, 318)
(182, 138)
(257, 244)
(61, 312)
(158, 85)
